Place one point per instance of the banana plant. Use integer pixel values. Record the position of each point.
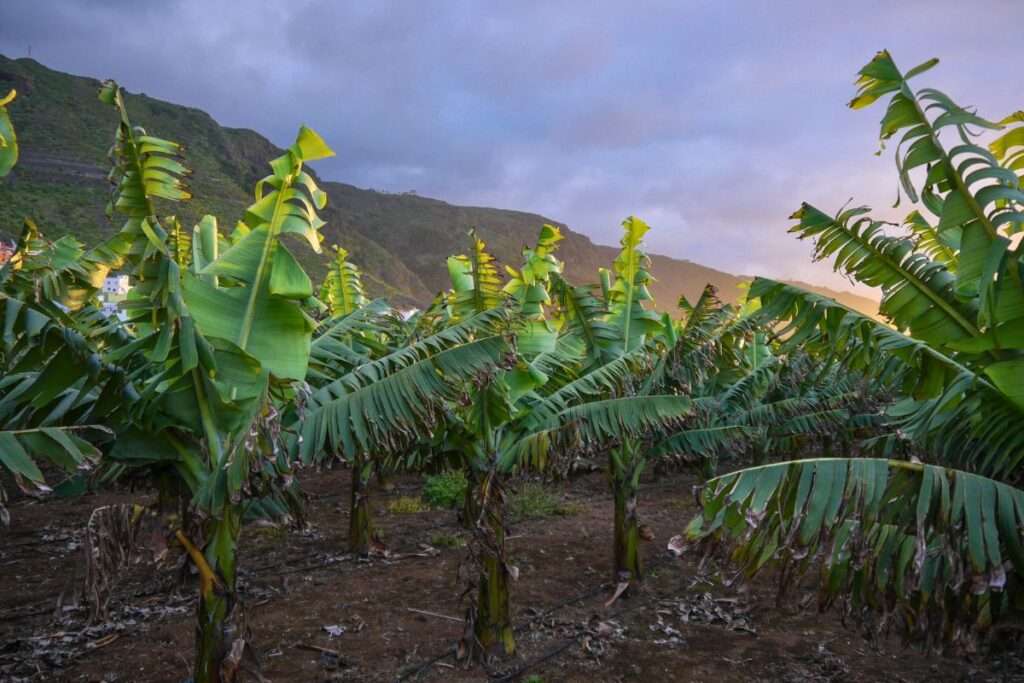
(506, 428)
(628, 332)
(471, 388)
(566, 394)
(953, 355)
(711, 354)
(55, 391)
(225, 342)
(477, 424)
(47, 404)
(54, 385)
(273, 336)
(395, 403)
(804, 404)
(386, 406)
(788, 400)
(605, 412)
(357, 331)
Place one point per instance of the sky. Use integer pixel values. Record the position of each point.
(712, 121)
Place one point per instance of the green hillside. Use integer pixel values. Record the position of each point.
(400, 239)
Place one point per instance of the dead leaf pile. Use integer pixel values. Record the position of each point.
(702, 608)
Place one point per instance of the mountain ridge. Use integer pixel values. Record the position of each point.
(399, 240)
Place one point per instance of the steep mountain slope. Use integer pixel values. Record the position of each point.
(400, 240)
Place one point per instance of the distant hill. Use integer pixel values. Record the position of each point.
(399, 240)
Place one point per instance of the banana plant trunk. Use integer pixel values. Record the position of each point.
(627, 565)
(360, 526)
(219, 640)
(492, 621)
(624, 474)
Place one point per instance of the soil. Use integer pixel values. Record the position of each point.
(317, 614)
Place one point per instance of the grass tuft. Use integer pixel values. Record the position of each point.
(407, 505)
(533, 501)
(444, 540)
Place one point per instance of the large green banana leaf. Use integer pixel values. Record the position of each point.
(62, 447)
(261, 314)
(933, 547)
(626, 290)
(342, 288)
(476, 283)
(950, 407)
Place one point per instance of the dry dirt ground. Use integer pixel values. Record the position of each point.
(318, 615)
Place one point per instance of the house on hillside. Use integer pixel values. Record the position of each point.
(116, 285)
(115, 290)
(111, 309)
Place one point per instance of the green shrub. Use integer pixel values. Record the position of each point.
(445, 490)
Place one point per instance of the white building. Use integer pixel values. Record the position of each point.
(115, 290)
(116, 284)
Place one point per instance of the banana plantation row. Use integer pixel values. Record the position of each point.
(230, 370)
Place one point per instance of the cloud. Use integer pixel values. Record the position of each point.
(712, 121)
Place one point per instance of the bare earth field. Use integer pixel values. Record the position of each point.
(318, 615)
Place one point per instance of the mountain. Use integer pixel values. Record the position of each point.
(399, 240)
